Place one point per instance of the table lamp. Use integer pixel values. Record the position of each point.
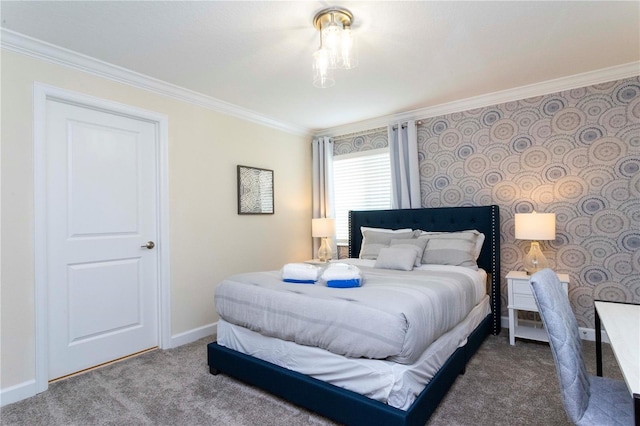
(535, 226)
(323, 228)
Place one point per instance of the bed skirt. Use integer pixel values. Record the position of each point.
(339, 404)
(394, 384)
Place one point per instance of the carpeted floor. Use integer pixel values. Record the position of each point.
(503, 385)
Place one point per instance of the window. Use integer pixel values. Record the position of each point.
(362, 181)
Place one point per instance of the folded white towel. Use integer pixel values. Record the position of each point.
(338, 265)
(341, 271)
(300, 272)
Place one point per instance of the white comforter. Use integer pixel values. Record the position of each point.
(394, 315)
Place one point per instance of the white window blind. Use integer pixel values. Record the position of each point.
(361, 182)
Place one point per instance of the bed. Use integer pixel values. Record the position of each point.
(350, 407)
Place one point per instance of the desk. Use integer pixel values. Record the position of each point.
(622, 323)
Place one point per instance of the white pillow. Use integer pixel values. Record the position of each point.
(391, 231)
(416, 244)
(478, 240)
(396, 258)
(479, 243)
(376, 238)
(449, 251)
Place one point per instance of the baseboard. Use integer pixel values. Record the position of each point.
(17, 392)
(193, 335)
(585, 333)
(590, 334)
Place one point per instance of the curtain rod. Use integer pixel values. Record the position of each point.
(404, 125)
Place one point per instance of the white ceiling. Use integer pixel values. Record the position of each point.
(412, 54)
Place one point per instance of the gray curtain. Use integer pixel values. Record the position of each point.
(405, 171)
(322, 203)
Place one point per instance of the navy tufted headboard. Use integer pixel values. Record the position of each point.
(485, 219)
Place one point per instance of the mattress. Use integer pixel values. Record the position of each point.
(389, 382)
(395, 315)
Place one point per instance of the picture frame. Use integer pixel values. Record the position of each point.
(255, 190)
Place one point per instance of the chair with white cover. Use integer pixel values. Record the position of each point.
(587, 400)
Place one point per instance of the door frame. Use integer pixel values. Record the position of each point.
(41, 94)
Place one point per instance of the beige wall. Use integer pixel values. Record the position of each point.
(209, 241)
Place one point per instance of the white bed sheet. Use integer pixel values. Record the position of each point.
(395, 384)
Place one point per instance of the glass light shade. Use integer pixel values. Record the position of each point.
(322, 73)
(534, 259)
(348, 51)
(332, 42)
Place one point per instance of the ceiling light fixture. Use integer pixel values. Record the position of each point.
(337, 45)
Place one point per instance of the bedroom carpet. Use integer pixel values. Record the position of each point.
(503, 385)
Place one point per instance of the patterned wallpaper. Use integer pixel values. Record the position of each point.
(575, 153)
(362, 141)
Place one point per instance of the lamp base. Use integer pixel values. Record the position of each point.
(535, 260)
(324, 252)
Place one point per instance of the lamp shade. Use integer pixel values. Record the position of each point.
(535, 226)
(323, 227)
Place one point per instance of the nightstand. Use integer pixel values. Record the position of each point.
(521, 299)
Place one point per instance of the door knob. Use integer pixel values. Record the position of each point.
(149, 245)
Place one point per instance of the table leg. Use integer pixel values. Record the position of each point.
(513, 314)
(598, 344)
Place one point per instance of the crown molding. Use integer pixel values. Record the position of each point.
(20, 43)
(618, 72)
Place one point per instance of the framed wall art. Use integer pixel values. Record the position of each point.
(255, 190)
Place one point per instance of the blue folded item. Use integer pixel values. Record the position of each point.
(289, 280)
(344, 283)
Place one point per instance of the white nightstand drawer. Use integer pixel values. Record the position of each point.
(521, 287)
(524, 302)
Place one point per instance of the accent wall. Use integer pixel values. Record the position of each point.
(574, 153)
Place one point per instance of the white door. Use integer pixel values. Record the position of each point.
(101, 196)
